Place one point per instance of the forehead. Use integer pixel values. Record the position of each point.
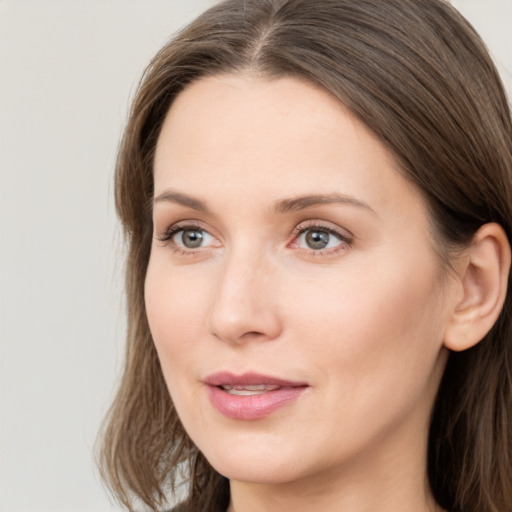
(260, 139)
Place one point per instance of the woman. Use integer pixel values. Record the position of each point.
(317, 201)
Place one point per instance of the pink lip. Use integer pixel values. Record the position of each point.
(251, 407)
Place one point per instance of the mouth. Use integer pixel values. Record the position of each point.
(251, 396)
(257, 389)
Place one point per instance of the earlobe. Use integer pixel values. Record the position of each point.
(483, 277)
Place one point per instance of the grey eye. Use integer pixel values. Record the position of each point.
(317, 239)
(191, 238)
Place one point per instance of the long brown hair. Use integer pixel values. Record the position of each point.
(418, 75)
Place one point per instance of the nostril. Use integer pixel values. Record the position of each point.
(253, 334)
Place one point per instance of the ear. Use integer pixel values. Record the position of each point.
(482, 273)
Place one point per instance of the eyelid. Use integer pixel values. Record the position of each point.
(167, 235)
(345, 237)
(324, 225)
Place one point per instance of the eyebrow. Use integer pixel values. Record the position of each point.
(301, 203)
(182, 199)
(280, 206)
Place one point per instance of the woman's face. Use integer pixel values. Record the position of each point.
(293, 293)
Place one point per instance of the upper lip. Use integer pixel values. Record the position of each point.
(249, 379)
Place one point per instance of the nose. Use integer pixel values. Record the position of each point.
(245, 306)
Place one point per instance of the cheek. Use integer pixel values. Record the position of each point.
(176, 312)
(348, 311)
(176, 307)
(345, 318)
(370, 323)
(373, 343)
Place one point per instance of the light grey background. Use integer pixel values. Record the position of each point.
(67, 71)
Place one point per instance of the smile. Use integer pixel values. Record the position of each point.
(251, 396)
(248, 390)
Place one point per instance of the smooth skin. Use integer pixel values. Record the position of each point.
(287, 243)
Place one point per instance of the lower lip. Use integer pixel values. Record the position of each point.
(252, 407)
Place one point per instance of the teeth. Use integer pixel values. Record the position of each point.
(257, 389)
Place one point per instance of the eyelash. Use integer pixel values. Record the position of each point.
(174, 230)
(346, 240)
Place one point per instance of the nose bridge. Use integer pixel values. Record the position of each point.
(244, 305)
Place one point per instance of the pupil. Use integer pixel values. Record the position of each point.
(192, 238)
(317, 239)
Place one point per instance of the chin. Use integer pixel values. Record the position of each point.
(257, 459)
(257, 471)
